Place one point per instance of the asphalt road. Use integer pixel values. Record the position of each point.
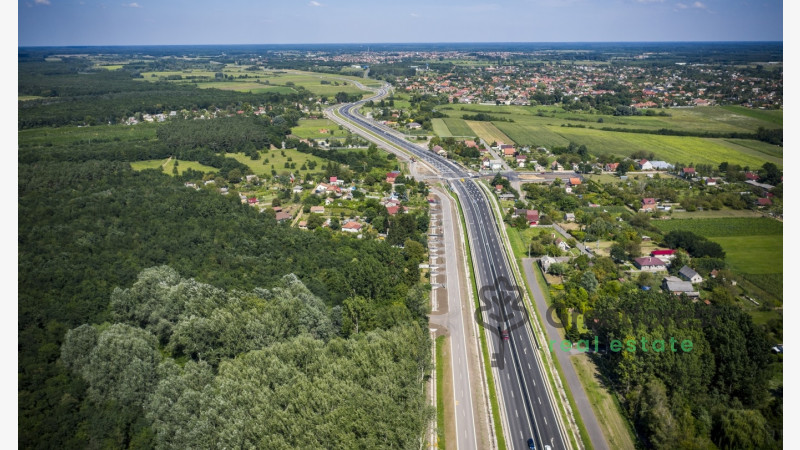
(526, 400)
(524, 388)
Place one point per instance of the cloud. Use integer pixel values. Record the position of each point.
(42, 2)
(650, 1)
(314, 3)
(132, 5)
(414, 15)
(695, 5)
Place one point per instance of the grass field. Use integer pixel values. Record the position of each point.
(753, 254)
(440, 128)
(713, 119)
(67, 135)
(279, 81)
(488, 132)
(246, 86)
(183, 166)
(542, 126)
(724, 227)
(310, 129)
(753, 248)
(277, 161)
(615, 429)
(458, 127)
(722, 213)
(24, 98)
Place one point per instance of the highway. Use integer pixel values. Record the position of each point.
(524, 392)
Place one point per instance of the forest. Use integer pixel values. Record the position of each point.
(156, 315)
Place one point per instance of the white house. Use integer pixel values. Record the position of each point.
(688, 274)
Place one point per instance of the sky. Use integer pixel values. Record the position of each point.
(185, 22)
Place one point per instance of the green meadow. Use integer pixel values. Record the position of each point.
(276, 161)
(551, 126)
(168, 164)
(312, 129)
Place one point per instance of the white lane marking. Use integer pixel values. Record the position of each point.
(540, 400)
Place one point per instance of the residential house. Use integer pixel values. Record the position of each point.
(688, 274)
(611, 167)
(645, 165)
(532, 216)
(711, 182)
(282, 217)
(547, 261)
(413, 126)
(317, 210)
(392, 210)
(650, 264)
(351, 227)
(664, 255)
(569, 217)
(303, 225)
(471, 144)
(676, 286)
(336, 181)
(689, 172)
(251, 178)
(497, 165)
(252, 200)
(763, 186)
(762, 202)
(574, 181)
(751, 176)
(297, 189)
(560, 243)
(521, 160)
(648, 204)
(556, 167)
(509, 151)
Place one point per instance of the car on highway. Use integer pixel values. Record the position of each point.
(504, 333)
(531, 445)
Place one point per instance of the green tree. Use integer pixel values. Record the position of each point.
(315, 221)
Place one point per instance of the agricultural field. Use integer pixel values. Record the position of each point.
(488, 132)
(452, 127)
(753, 246)
(459, 127)
(711, 119)
(440, 128)
(724, 227)
(542, 126)
(313, 129)
(675, 149)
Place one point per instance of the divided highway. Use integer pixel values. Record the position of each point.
(524, 393)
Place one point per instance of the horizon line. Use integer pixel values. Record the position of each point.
(407, 43)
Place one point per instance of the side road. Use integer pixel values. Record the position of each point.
(571, 377)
